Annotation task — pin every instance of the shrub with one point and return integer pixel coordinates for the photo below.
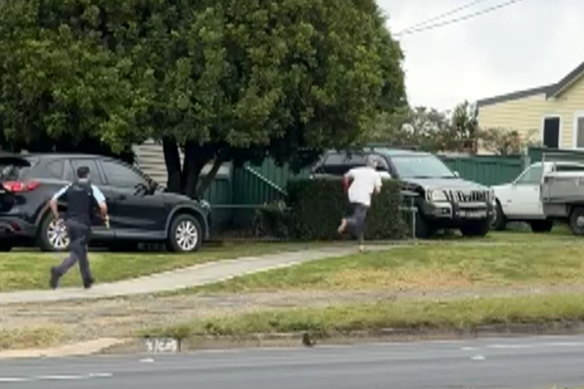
(272, 221)
(317, 206)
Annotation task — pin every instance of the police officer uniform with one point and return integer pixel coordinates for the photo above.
(82, 199)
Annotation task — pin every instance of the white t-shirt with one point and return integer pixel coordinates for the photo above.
(366, 180)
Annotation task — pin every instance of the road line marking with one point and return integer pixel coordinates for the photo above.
(61, 377)
(510, 346)
(478, 358)
(101, 375)
(13, 379)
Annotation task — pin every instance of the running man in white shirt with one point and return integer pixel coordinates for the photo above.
(362, 183)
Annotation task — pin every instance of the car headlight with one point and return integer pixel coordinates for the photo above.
(436, 196)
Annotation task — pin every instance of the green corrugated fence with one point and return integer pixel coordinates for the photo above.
(486, 170)
(235, 198)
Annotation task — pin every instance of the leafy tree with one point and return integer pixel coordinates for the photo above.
(464, 131)
(422, 128)
(225, 80)
(502, 141)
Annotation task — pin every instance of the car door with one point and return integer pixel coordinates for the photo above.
(522, 199)
(135, 213)
(99, 231)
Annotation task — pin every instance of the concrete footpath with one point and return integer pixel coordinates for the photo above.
(184, 278)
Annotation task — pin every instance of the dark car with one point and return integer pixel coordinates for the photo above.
(139, 210)
(442, 199)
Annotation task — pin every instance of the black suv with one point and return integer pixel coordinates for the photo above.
(442, 199)
(139, 210)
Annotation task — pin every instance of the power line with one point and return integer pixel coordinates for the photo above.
(442, 16)
(457, 20)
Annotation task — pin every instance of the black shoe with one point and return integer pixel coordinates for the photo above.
(54, 281)
(87, 284)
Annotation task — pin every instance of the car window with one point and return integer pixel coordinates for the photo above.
(120, 175)
(51, 169)
(9, 170)
(531, 176)
(382, 164)
(421, 166)
(570, 168)
(345, 159)
(93, 169)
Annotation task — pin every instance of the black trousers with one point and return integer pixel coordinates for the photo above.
(357, 220)
(79, 234)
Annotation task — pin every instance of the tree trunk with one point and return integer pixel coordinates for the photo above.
(172, 161)
(192, 167)
(210, 177)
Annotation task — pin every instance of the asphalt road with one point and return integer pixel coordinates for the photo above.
(542, 362)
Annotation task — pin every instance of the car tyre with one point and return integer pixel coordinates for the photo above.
(577, 221)
(423, 230)
(185, 234)
(477, 229)
(51, 237)
(500, 222)
(5, 247)
(542, 226)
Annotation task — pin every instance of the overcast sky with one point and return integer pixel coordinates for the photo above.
(525, 45)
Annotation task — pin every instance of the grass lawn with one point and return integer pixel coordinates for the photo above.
(511, 259)
(21, 270)
(30, 338)
(462, 314)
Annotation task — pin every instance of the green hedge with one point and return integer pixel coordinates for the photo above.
(317, 206)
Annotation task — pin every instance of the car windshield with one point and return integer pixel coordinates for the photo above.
(426, 166)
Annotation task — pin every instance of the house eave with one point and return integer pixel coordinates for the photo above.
(550, 91)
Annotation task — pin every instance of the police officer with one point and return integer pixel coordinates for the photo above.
(81, 198)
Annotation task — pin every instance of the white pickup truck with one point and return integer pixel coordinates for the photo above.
(521, 200)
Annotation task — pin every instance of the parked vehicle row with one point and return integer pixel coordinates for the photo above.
(441, 198)
(545, 192)
(139, 210)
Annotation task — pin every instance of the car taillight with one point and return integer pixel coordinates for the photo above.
(19, 186)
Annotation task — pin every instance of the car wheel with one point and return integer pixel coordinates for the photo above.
(52, 236)
(542, 226)
(5, 247)
(500, 222)
(185, 234)
(423, 229)
(476, 229)
(577, 221)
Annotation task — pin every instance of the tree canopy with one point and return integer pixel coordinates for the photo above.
(224, 80)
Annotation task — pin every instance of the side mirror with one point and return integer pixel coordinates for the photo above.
(457, 174)
(153, 187)
(142, 189)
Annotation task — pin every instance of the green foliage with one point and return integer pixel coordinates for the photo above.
(223, 79)
(501, 141)
(419, 127)
(317, 207)
(273, 221)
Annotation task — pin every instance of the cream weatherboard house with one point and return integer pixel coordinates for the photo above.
(552, 114)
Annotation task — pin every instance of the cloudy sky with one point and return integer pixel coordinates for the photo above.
(528, 44)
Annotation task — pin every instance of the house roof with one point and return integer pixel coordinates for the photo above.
(552, 90)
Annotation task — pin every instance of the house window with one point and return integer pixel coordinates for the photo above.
(551, 132)
(579, 129)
